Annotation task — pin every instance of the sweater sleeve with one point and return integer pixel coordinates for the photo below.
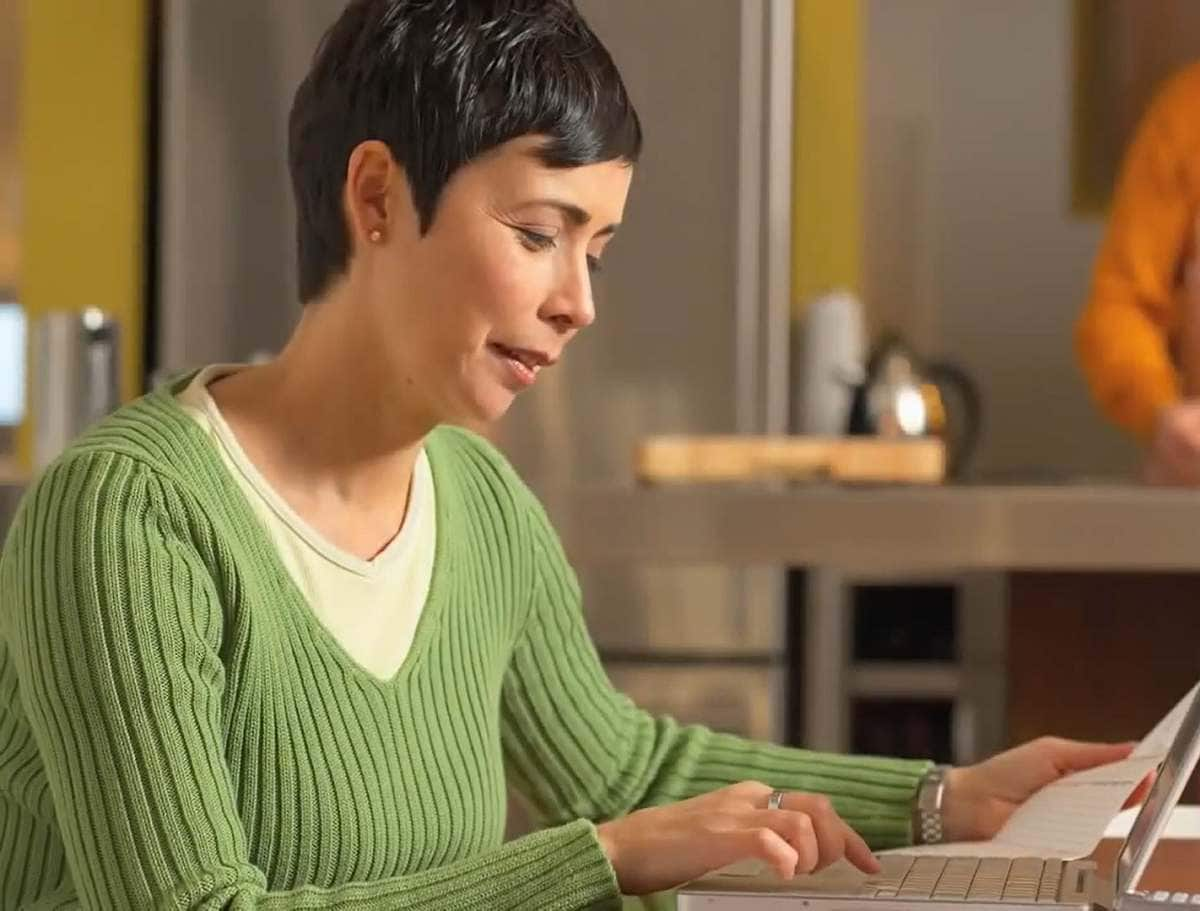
(577, 748)
(115, 628)
(1122, 337)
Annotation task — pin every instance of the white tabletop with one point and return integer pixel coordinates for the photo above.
(1184, 823)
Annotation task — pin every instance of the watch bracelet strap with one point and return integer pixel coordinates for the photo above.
(928, 827)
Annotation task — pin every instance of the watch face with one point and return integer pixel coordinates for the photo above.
(929, 794)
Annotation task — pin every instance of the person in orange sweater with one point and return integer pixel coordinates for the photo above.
(1138, 339)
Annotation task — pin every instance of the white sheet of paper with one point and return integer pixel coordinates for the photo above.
(1067, 819)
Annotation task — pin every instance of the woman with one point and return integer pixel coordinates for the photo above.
(274, 636)
(1138, 338)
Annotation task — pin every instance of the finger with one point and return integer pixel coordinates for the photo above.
(830, 837)
(859, 853)
(835, 838)
(797, 830)
(1075, 755)
(767, 845)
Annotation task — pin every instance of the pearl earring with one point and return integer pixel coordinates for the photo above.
(376, 236)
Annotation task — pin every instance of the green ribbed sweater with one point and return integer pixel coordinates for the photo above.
(177, 730)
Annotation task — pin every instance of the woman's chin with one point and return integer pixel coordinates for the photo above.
(485, 408)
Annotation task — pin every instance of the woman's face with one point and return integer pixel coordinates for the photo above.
(471, 313)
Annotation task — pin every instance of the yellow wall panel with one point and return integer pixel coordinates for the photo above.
(826, 179)
(82, 143)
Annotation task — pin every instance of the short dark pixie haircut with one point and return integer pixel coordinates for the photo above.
(441, 82)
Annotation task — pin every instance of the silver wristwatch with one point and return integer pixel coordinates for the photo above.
(927, 809)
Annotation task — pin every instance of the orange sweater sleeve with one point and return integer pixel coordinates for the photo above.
(1123, 336)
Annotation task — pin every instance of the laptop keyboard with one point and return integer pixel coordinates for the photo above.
(1024, 880)
(1161, 899)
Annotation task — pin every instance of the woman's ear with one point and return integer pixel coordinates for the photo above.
(371, 176)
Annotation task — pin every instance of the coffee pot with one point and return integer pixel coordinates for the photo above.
(901, 395)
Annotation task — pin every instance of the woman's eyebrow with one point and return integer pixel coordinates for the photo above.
(576, 215)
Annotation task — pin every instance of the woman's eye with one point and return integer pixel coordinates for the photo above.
(532, 240)
(537, 241)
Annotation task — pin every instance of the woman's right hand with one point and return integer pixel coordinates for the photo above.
(1173, 458)
(663, 847)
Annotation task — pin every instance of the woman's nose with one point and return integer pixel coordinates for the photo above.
(573, 307)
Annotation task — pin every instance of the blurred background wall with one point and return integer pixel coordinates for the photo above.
(935, 172)
(971, 243)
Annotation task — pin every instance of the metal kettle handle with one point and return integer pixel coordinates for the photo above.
(944, 374)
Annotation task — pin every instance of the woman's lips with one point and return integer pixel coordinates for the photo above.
(521, 366)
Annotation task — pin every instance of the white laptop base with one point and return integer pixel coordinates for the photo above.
(939, 882)
(907, 881)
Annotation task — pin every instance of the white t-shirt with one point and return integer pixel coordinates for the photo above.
(371, 607)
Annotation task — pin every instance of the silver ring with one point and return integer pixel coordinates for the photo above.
(775, 801)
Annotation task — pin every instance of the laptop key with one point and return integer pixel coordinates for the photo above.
(1051, 876)
(1024, 877)
(989, 879)
(895, 868)
(956, 878)
(922, 877)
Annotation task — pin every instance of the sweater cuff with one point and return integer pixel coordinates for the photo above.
(873, 794)
(564, 869)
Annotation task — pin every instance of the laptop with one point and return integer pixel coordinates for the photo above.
(937, 881)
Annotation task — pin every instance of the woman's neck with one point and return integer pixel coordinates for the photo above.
(326, 427)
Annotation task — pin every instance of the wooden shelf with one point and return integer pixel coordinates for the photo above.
(905, 679)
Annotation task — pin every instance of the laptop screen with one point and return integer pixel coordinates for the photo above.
(1173, 774)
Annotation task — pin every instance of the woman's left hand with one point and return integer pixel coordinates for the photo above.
(980, 798)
